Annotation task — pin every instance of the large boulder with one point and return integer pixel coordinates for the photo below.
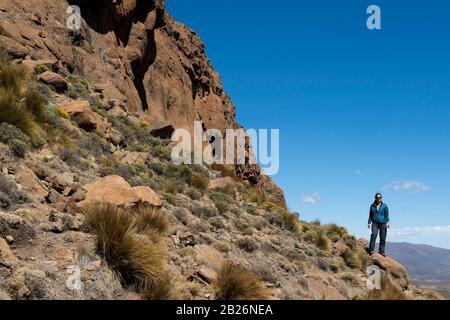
(111, 189)
(393, 268)
(54, 80)
(81, 112)
(220, 183)
(7, 258)
(148, 196)
(115, 190)
(30, 184)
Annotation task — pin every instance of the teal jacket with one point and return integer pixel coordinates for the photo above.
(380, 215)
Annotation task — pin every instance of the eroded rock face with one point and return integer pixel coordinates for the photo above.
(134, 54)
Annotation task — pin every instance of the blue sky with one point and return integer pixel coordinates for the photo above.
(358, 110)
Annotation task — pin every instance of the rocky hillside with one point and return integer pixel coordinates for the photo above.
(91, 206)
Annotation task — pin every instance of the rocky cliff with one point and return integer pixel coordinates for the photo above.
(91, 207)
(136, 56)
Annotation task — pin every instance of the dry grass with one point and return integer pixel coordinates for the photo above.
(322, 242)
(351, 258)
(140, 262)
(12, 76)
(150, 221)
(21, 109)
(35, 103)
(255, 196)
(235, 282)
(388, 292)
(290, 221)
(14, 112)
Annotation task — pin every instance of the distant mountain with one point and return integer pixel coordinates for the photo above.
(424, 263)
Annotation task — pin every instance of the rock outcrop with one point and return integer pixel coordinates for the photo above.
(136, 55)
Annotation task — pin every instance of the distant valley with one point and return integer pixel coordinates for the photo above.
(428, 266)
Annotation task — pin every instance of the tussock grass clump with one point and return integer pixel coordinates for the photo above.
(388, 291)
(35, 103)
(351, 258)
(150, 221)
(140, 262)
(13, 112)
(285, 220)
(334, 232)
(322, 242)
(12, 76)
(234, 282)
(21, 108)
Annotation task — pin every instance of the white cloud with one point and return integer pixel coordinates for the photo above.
(358, 172)
(413, 231)
(410, 186)
(311, 199)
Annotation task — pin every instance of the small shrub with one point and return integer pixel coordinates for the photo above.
(194, 193)
(62, 113)
(247, 244)
(311, 235)
(217, 222)
(9, 132)
(202, 211)
(269, 206)
(18, 147)
(199, 182)
(289, 221)
(334, 232)
(9, 192)
(235, 282)
(161, 152)
(222, 201)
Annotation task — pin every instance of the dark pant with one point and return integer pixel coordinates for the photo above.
(382, 227)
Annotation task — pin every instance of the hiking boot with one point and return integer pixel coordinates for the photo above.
(383, 254)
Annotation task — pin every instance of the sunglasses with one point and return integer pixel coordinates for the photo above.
(379, 198)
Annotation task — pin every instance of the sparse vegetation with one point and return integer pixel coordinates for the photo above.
(9, 192)
(247, 244)
(199, 182)
(136, 258)
(150, 221)
(235, 282)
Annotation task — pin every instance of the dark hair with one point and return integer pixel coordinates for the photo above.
(376, 195)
